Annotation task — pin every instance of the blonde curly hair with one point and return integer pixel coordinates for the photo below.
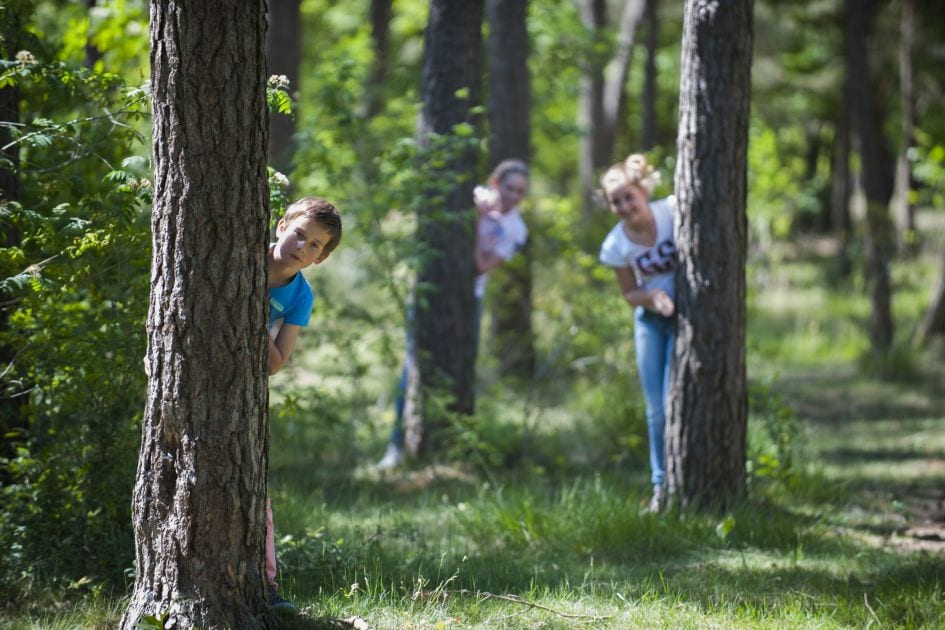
(635, 170)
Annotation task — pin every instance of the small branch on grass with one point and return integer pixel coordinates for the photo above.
(515, 599)
(870, 608)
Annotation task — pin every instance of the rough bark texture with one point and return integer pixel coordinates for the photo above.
(509, 97)
(444, 302)
(707, 416)
(198, 502)
(876, 174)
(283, 52)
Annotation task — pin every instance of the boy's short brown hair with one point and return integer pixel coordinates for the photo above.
(322, 212)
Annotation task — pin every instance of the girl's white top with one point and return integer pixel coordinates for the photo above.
(654, 266)
(501, 233)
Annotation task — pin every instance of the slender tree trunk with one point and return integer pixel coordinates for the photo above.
(708, 410)
(198, 502)
(509, 98)
(604, 96)
(648, 130)
(92, 53)
(933, 324)
(615, 82)
(840, 191)
(903, 209)
(443, 324)
(284, 54)
(877, 178)
(591, 104)
(381, 13)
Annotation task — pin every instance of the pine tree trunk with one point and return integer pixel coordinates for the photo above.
(509, 97)
(283, 54)
(198, 505)
(445, 307)
(840, 219)
(876, 176)
(707, 418)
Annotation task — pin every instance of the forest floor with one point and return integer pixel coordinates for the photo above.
(877, 425)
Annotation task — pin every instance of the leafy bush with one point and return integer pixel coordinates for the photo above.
(74, 280)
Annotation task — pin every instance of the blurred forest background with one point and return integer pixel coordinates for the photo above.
(827, 342)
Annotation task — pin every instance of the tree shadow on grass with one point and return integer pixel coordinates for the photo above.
(835, 395)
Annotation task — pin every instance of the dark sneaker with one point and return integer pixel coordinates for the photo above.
(275, 602)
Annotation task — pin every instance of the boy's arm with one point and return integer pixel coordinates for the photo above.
(281, 346)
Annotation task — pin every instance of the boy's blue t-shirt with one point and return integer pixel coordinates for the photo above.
(292, 302)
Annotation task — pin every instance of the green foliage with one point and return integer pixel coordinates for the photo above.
(74, 277)
(928, 164)
(774, 435)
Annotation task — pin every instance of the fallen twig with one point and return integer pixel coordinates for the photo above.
(515, 599)
(870, 608)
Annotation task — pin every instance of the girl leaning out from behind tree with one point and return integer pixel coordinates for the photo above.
(641, 249)
(500, 233)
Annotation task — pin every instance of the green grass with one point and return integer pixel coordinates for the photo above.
(544, 529)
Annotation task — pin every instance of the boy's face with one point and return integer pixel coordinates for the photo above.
(300, 243)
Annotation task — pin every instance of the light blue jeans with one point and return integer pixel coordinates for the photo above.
(653, 336)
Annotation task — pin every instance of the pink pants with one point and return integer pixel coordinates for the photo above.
(270, 548)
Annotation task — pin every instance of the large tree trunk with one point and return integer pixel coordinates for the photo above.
(876, 177)
(509, 97)
(903, 208)
(708, 410)
(199, 496)
(444, 356)
(283, 53)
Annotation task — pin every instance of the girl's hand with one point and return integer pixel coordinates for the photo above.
(486, 200)
(662, 303)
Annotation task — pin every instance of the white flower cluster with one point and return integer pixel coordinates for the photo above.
(25, 57)
(278, 179)
(279, 82)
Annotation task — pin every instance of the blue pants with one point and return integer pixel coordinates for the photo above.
(653, 336)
